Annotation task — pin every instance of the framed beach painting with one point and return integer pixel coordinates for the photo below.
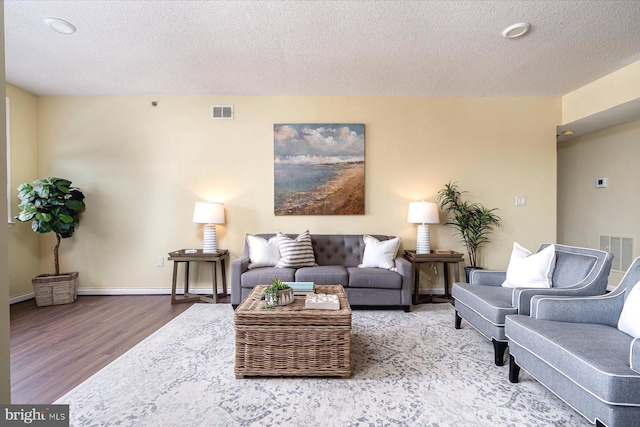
(318, 169)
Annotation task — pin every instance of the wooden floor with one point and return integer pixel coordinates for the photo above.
(53, 349)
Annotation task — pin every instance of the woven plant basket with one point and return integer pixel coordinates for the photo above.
(53, 290)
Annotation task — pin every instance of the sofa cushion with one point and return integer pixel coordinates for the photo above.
(295, 253)
(629, 321)
(264, 276)
(323, 275)
(594, 356)
(379, 254)
(527, 270)
(492, 303)
(263, 252)
(374, 278)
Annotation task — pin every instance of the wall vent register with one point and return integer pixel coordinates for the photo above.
(621, 248)
(222, 112)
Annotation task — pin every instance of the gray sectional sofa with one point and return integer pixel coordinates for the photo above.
(337, 257)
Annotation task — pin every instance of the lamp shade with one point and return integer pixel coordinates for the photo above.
(423, 213)
(208, 213)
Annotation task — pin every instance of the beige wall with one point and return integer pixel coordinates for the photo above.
(610, 91)
(142, 168)
(5, 367)
(24, 252)
(586, 212)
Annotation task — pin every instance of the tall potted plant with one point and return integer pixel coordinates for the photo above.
(52, 205)
(472, 221)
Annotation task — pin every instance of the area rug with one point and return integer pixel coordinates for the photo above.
(409, 369)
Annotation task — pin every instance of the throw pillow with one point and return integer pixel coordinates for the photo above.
(379, 254)
(528, 270)
(629, 321)
(295, 253)
(263, 252)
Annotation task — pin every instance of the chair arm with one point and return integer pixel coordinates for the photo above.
(238, 267)
(635, 355)
(599, 309)
(487, 277)
(522, 296)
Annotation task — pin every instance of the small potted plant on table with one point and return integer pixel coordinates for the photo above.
(278, 294)
(52, 205)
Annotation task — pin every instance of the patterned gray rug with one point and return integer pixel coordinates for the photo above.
(409, 369)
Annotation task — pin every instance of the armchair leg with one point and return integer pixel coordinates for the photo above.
(514, 369)
(458, 320)
(499, 347)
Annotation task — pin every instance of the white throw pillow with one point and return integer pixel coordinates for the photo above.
(528, 270)
(629, 321)
(379, 254)
(296, 253)
(263, 252)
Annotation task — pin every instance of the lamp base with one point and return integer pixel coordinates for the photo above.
(423, 245)
(210, 244)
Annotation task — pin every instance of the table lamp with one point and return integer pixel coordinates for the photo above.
(209, 214)
(423, 213)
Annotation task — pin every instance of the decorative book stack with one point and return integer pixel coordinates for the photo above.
(302, 288)
(322, 302)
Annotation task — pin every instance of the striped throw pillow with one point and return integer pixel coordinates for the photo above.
(295, 253)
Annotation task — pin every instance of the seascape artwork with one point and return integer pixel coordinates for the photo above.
(319, 169)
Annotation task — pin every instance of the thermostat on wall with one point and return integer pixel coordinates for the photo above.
(601, 182)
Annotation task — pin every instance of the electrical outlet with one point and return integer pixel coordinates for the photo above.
(521, 200)
(160, 261)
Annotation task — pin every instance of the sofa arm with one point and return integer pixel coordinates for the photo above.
(521, 298)
(487, 277)
(238, 267)
(404, 269)
(600, 309)
(635, 355)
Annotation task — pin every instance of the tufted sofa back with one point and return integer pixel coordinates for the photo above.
(334, 249)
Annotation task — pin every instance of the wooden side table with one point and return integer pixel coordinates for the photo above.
(446, 259)
(182, 257)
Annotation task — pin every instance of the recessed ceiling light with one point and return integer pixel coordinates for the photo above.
(516, 30)
(568, 132)
(60, 26)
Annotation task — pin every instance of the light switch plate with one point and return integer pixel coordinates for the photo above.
(601, 182)
(521, 200)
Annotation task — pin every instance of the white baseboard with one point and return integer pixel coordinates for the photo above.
(118, 291)
(22, 297)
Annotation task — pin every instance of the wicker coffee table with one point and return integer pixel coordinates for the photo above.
(292, 340)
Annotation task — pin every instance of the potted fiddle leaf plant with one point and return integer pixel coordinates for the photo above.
(472, 221)
(52, 205)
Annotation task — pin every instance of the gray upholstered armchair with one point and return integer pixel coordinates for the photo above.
(574, 348)
(484, 303)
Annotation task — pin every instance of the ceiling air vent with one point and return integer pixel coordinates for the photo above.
(222, 112)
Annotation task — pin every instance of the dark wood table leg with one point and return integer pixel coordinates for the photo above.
(174, 283)
(445, 270)
(224, 276)
(214, 279)
(415, 276)
(186, 278)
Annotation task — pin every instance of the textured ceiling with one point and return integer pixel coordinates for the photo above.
(356, 48)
